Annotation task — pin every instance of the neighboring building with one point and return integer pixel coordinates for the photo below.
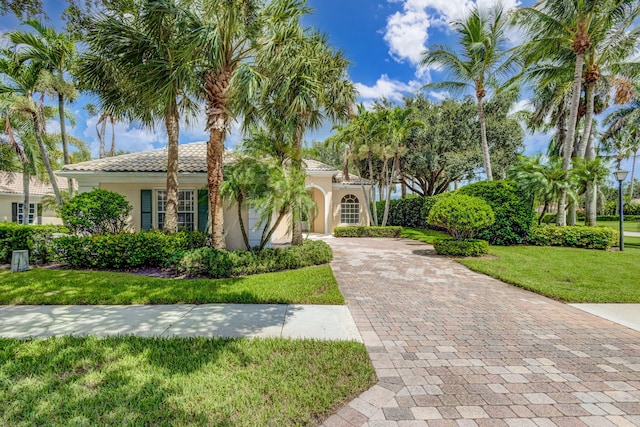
(141, 178)
(12, 207)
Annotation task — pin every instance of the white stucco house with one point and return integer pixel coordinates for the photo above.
(12, 207)
(140, 178)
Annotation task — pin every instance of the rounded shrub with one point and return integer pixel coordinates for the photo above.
(452, 247)
(96, 212)
(513, 211)
(462, 216)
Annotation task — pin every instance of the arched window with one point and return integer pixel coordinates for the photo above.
(350, 210)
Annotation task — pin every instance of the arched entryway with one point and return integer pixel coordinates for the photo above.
(319, 224)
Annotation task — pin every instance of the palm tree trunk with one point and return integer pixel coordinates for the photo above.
(101, 128)
(591, 205)
(296, 217)
(483, 135)
(112, 150)
(633, 173)
(26, 181)
(388, 199)
(571, 132)
(171, 209)
(38, 125)
(266, 239)
(215, 149)
(588, 120)
(243, 229)
(63, 136)
(373, 189)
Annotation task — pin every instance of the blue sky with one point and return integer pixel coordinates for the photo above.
(383, 40)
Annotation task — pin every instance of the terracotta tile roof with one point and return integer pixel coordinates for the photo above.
(11, 183)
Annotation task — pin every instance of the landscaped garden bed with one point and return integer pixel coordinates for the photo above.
(180, 381)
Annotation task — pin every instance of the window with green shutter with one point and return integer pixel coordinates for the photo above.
(203, 210)
(146, 214)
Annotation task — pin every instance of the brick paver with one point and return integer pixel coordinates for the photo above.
(455, 348)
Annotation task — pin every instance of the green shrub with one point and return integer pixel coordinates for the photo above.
(214, 263)
(96, 212)
(361, 231)
(411, 212)
(35, 238)
(124, 250)
(452, 247)
(513, 213)
(611, 208)
(462, 216)
(577, 237)
(617, 218)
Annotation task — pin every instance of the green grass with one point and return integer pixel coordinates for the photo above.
(425, 236)
(628, 225)
(181, 381)
(313, 285)
(567, 274)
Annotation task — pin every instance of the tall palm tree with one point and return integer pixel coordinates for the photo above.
(57, 53)
(144, 44)
(482, 61)
(624, 128)
(229, 37)
(22, 80)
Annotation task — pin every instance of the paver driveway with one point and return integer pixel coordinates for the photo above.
(455, 348)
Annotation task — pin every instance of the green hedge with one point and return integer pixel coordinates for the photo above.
(617, 218)
(216, 264)
(513, 213)
(124, 250)
(451, 247)
(411, 212)
(35, 238)
(361, 231)
(611, 207)
(576, 237)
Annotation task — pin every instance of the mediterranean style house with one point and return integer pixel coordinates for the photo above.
(140, 178)
(12, 207)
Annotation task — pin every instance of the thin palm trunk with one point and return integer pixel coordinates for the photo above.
(544, 211)
(561, 219)
(243, 229)
(101, 128)
(373, 189)
(38, 125)
(112, 151)
(266, 239)
(388, 200)
(483, 135)
(171, 208)
(63, 136)
(633, 173)
(296, 233)
(26, 181)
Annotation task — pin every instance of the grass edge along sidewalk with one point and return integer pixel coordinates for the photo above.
(311, 285)
(179, 381)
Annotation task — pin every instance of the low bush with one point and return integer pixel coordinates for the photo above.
(124, 250)
(462, 216)
(451, 247)
(214, 263)
(361, 231)
(35, 238)
(617, 218)
(410, 212)
(513, 213)
(611, 208)
(98, 211)
(576, 237)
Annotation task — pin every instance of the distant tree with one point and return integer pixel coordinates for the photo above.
(21, 8)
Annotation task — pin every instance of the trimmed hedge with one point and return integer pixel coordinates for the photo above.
(35, 238)
(213, 263)
(362, 231)
(411, 212)
(575, 237)
(513, 213)
(462, 216)
(124, 250)
(451, 247)
(617, 218)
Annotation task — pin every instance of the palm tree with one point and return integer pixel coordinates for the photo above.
(482, 61)
(144, 44)
(624, 123)
(22, 80)
(56, 52)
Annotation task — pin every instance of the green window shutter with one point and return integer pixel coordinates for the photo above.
(39, 213)
(203, 210)
(146, 212)
(14, 212)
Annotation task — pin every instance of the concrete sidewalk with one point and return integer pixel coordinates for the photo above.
(208, 320)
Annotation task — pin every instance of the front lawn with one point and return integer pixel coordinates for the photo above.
(425, 236)
(313, 285)
(180, 381)
(628, 225)
(566, 274)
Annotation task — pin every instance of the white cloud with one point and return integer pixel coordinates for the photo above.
(393, 90)
(407, 31)
(129, 138)
(439, 95)
(522, 105)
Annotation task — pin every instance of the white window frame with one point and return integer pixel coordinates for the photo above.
(186, 209)
(32, 213)
(350, 210)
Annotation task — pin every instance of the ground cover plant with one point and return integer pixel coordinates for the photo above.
(567, 274)
(180, 381)
(370, 231)
(313, 285)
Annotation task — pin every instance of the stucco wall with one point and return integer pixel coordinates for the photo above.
(338, 194)
(48, 217)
